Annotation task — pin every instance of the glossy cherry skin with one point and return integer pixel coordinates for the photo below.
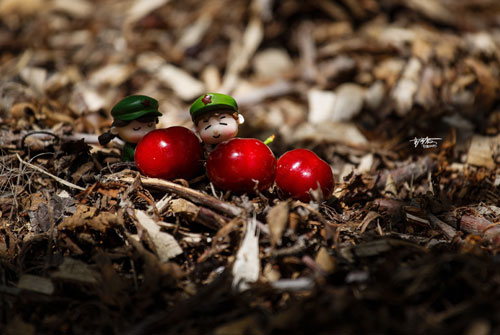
(171, 153)
(301, 170)
(241, 165)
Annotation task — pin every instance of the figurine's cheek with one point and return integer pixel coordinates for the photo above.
(205, 135)
(230, 131)
(135, 136)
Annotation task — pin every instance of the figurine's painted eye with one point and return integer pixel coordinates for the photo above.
(222, 117)
(223, 123)
(205, 121)
(208, 126)
(136, 129)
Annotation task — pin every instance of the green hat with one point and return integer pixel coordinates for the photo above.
(135, 106)
(211, 101)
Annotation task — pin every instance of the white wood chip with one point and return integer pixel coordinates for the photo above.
(299, 284)
(374, 95)
(321, 105)
(181, 82)
(164, 245)
(112, 74)
(246, 267)
(35, 77)
(272, 63)
(150, 61)
(193, 34)
(343, 132)
(481, 43)
(366, 163)
(141, 8)
(240, 53)
(92, 100)
(348, 102)
(404, 92)
(74, 8)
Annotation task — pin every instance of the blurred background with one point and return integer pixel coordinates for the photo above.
(349, 76)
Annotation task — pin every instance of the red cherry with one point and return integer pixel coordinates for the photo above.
(170, 153)
(241, 165)
(301, 170)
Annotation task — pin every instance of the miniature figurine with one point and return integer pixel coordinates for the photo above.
(216, 118)
(133, 117)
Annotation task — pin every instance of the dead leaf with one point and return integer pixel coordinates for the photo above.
(85, 216)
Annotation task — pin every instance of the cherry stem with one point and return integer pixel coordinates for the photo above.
(269, 140)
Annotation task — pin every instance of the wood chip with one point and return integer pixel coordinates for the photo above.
(26, 7)
(277, 219)
(246, 267)
(181, 82)
(448, 230)
(366, 221)
(35, 77)
(325, 260)
(348, 102)
(36, 284)
(299, 284)
(487, 91)
(374, 95)
(241, 51)
(321, 104)
(76, 8)
(73, 270)
(482, 150)
(272, 63)
(112, 74)
(141, 8)
(346, 133)
(404, 92)
(194, 33)
(480, 226)
(163, 244)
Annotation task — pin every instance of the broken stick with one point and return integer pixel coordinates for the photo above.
(193, 195)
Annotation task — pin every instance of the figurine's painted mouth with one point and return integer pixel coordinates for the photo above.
(216, 136)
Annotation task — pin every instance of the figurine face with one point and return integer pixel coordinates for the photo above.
(134, 131)
(216, 128)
